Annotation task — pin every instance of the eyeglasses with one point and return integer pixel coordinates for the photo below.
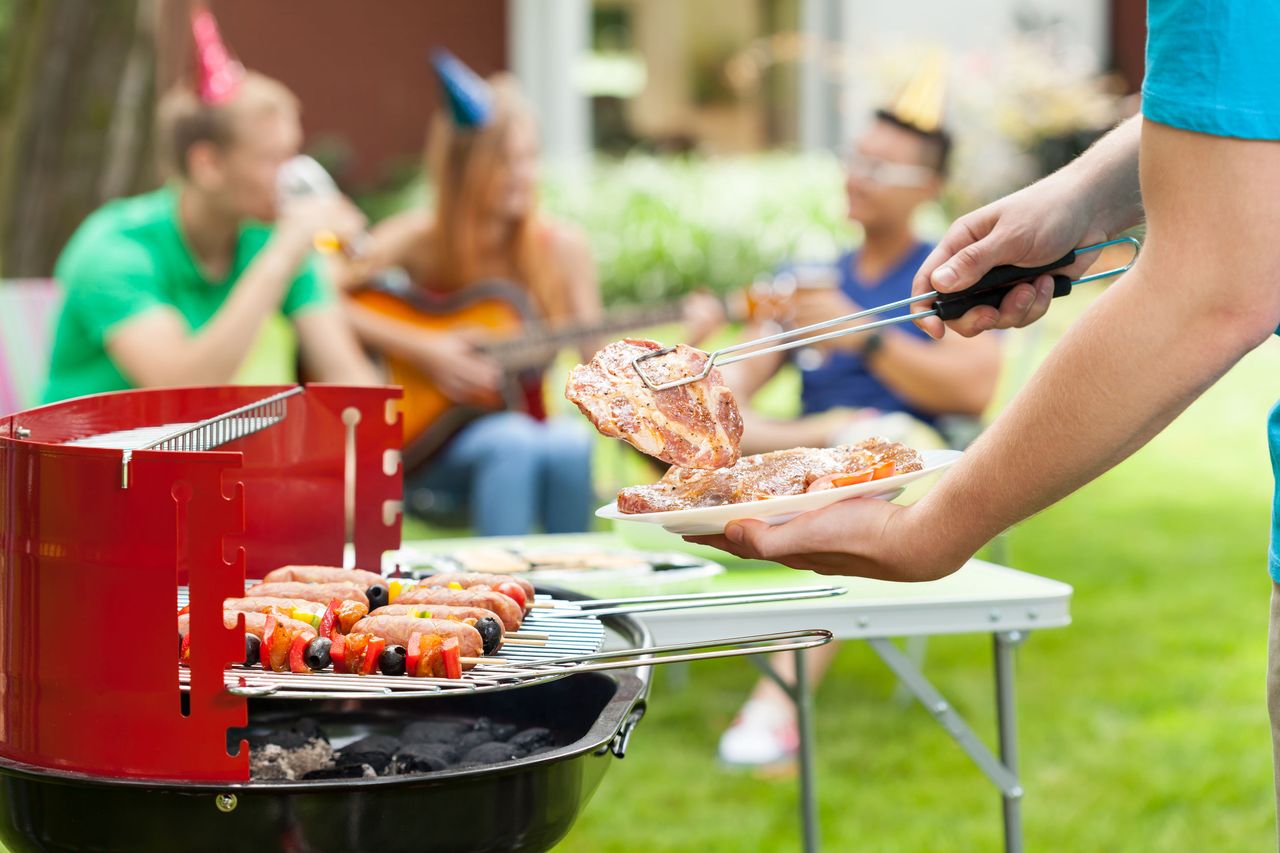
(888, 174)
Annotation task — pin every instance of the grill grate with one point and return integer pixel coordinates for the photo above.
(575, 637)
(565, 638)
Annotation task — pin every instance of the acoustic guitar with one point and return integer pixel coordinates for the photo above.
(516, 338)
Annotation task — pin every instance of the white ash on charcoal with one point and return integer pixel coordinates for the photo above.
(302, 751)
(289, 754)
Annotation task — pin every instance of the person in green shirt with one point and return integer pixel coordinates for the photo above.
(204, 281)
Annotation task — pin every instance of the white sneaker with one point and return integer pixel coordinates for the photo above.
(762, 734)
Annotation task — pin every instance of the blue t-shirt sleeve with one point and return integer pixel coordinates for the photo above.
(1213, 66)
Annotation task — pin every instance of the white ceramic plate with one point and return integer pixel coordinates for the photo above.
(617, 570)
(707, 520)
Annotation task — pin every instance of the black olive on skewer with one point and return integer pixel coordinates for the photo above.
(316, 655)
(490, 634)
(392, 660)
(252, 649)
(378, 596)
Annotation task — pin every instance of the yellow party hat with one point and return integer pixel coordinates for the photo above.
(922, 100)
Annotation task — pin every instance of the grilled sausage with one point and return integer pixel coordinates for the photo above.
(398, 629)
(439, 611)
(508, 611)
(374, 585)
(466, 580)
(324, 574)
(348, 612)
(485, 621)
(255, 624)
(321, 593)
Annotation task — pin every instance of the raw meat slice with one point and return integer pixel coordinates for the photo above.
(693, 426)
(764, 475)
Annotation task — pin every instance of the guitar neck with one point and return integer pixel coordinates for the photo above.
(529, 351)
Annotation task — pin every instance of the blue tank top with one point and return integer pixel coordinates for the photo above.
(1213, 67)
(842, 379)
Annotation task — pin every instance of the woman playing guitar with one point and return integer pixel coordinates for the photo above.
(483, 249)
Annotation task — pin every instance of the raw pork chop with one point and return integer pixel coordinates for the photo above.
(765, 475)
(694, 426)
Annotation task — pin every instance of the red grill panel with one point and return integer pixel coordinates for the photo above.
(89, 570)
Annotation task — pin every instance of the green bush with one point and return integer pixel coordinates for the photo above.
(661, 227)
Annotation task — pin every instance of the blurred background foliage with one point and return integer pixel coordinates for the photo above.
(663, 226)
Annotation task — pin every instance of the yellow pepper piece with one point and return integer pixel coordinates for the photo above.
(309, 616)
(454, 585)
(395, 589)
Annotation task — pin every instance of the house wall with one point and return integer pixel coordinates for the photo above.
(361, 70)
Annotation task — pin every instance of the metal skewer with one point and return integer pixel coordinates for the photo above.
(792, 591)
(989, 290)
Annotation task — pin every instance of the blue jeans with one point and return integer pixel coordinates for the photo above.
(513, 472)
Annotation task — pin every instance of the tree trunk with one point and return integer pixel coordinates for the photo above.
(76, 100)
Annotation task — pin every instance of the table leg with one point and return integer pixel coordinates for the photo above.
(996, 769)
(808, 779)
(1007, 723)
(798, 692)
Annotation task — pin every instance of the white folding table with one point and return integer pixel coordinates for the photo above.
(980, 598)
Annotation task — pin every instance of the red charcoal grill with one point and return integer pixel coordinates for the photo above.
(100, 747)
(95, 541)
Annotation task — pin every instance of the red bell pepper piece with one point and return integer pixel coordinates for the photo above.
(413, 654)
(297, 649)
(186, 608)
(268, 633)
(371, 655)
(862, 476)
(884, 469)
(338, 653)
(329, 619)
(513, 591)
(430, 666)
(449, 651)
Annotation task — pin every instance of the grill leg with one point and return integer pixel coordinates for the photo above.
(1007, 722)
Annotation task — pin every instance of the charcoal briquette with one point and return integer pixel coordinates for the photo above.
(493, 752)
(434, 731)
(423, 758)
(534, 738)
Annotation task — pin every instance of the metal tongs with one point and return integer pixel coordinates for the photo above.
(989, 290)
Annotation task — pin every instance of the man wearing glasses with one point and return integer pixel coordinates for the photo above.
(896, 383)
(885, 382)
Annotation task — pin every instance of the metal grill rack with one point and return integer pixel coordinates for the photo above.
(200, 436)
(575, 637)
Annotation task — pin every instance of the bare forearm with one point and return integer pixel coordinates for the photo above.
(949, 376)
(1133, 362)
(329, 348)
(212, 354)
(763, 435)
(384, 334)
(1108, 174)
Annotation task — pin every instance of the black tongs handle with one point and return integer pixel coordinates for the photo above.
(992, 288)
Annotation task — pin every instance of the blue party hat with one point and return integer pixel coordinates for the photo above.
(470, 98)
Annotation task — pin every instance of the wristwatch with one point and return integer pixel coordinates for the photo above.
(874, 342)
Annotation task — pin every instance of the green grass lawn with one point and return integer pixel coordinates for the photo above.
(1143, 725)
